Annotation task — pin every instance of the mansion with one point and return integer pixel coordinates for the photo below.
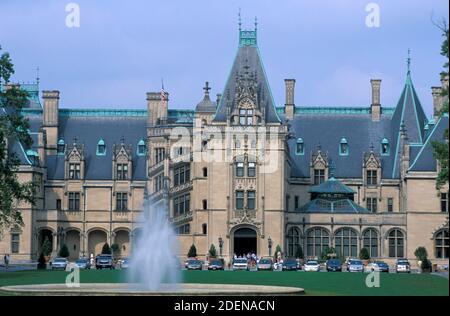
(237, 171)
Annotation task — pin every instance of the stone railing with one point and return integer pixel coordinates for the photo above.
(181, 187)
(186, 217)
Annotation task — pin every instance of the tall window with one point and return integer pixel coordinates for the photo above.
(239, 169)
(159, 154)
(293, 241)
(385, 149)
(296, 202)
(101, 148)
(122, 171)
(205, 172)
(346, 241)
(181, 175)
(61, 147)
(372, 177)
(300, 147)
(204, 228)
(239, 200)
(343, 147)
(251, 200)
(370, 242)
(15, 243)
(74, 171)
(251, 169)
(181, 204)
(444, 202)
(159, 182)
(390, 204)
(441, 244)
(317, 239)
(121, 201)
(246, 117)
(319, 176)
(184, 229)
(141, 148)
(396, 244)
(205, 204)
(58, 204)
(372, 204)
(74, 201)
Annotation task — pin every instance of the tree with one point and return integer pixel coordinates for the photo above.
(115, 249)
(41, 262)
(13, 127)
(212, 251)
(106, 250)
(364, 254)
(440, 149)
(299, 253)
(328, 252)
(46, 247)
(192, 252)
(422, 255)
(64, 251)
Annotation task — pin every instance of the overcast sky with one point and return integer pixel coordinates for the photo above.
(122, 50)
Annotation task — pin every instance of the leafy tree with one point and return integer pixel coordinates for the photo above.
(46, 247)
(13, 127)
(364, 254)
(440, 149)
(212, 251)
(422, 255)
(64, 251)
(277, 250)
(299, 253)
(106, 250)
(327, 253)
(192, 252)
(115, 248)
(41, 262)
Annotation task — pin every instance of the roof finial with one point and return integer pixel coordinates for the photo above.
(239, 19)
(371, 147)
(206, 88)
(37, 75)
(256, 23)
(162, 83)
(408, 61)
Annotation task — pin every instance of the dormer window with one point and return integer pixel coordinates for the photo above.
(300, 147)
(385, 148)
(101, 148)
(343, 147)
(141, 148)
(61, 147)
(246, 117)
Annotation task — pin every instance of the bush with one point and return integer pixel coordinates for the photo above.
(41, 262)
(364, 254)
(212, 251)
(426, 265)
(115, 248)
(46, 247)
(106, 250)
(421, 253)
(327, 253)
(299, 253)
(64, 251)
(192, 252)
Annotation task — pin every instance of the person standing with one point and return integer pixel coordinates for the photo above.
(6, 260)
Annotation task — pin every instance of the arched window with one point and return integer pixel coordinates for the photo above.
(205, 204)
(343, 147)
(385, 148)
(293, 241)
(346, 241)
(370, 242)
(61, 147)
(101, 148)
(141, 148)
(316, 241)
(441, 244)
(396, 244)
(300, 147)
(246, 117)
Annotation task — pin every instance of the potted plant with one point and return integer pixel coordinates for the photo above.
(364, 256)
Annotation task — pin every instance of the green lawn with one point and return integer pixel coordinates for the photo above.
(313, 283)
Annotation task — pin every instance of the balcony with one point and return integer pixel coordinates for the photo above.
(181, 187)
(183, 218)
(248, 183)
(157, 167)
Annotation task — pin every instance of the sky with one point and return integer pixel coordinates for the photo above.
(122, 49)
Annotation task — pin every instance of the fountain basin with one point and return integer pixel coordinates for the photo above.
(127, 289)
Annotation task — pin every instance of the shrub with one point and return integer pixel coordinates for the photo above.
(212, 251)
(192, 252)
(327, 253)
(46, 247)
(426, 265)
(421, 253)
(41, 262)
(106, 250)
(364, 254)
(64, 251)
(115, 248)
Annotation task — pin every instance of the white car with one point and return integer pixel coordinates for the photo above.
(312, 265)
(402, 265)
(59, 263)
(355, 265)
(240, 264)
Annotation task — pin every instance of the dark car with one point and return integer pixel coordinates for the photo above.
(193, 264)
(334, 265)
(83, 263)
(290, 264)
(379, 266)
(215, 265)
(104, 261)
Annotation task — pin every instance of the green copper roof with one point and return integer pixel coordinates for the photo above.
(332, 186)
(334, 110)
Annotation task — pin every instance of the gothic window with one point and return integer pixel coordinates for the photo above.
(444, 202)
(293, 241)
(239, 200)
(141, 148)
(246, 117)
(121, 201)
(74, 201)
(239, 169)
(372, 177)
(58, 204)
(122, 171)
(343, 147)
(370, 242)
(319, 176)
(61, 147)
(385, 148)
(346, 242)
(372, 204)
(390, 204)
(181, 204)
(158, 182)
(251, 200)
(300, 147)
(251, 169)
(74, 171)
(159, 154)
(181, 175)
(441, 244)
(15, 242)
(317, 239)
(101, 147)
(396, 244)
(184, 229)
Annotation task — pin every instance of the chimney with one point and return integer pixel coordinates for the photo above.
(375, 107)
(290, 105)
(157, 104)
(436, 92)
(50, 119)
(41, 146)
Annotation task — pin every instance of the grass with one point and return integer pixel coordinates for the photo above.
(313, 283)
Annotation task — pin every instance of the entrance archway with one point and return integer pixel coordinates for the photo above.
(97, 238)
(73, 244)
(122, 239)
(244, 241)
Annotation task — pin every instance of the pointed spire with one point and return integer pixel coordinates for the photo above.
(37, 75)
(239, 20)
(408, 61)
(256, 23)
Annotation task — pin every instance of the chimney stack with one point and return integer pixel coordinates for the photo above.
(375, 107)
(290, 105)
(157, 104)
(436, 92)
(50, 119)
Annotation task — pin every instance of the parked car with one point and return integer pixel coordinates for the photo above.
(334, 265)
(240, 264)
(402, 265)
(59, 263)
(290, 264)
(355, 265)
(125, 263)
(215, 265)
(379, 266)
(264, 264)
(104, 261)
(193, 264)
(312, 265)
(83, 263)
